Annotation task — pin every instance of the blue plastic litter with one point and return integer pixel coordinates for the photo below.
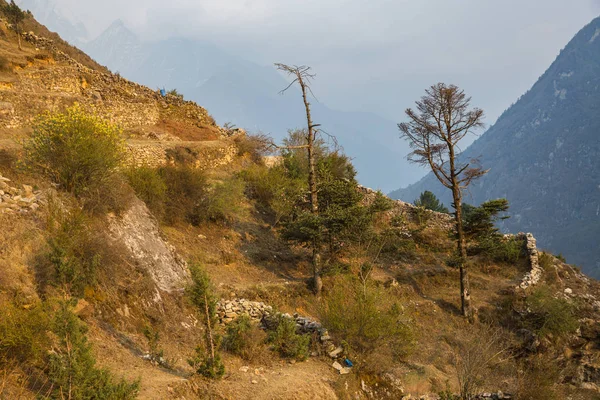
(348, 363)
(163, 92)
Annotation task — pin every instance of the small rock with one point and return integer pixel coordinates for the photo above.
(336, 352)
(568, 291)
(254, 381)
(244, 368)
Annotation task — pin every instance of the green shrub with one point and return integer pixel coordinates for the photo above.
(363, 315)
(72, 368)
(72, 252)
(545, 261)
(244, 339)
(182, 194)
(149, 186)
(501, 250)
(208, 367)
(550, 314)
(274, 189)
(156, 353)
(286, 341)
(175, 92)
(223, 202)
(561, 257)
(77, 150)
(23, 335)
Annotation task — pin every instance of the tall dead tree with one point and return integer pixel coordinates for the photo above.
(302, 75)
(434, 131)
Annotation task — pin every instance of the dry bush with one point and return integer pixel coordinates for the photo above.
(476, 354)
(112, 195)
(255, 146)
(20, 241)
(4, 64)
(8, 160)
(186, 188)
(537, 379)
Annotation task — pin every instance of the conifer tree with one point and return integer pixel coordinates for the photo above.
(201, 294)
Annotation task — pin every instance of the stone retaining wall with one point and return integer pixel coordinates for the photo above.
(160, 154)
(412, 213)
(534, 274)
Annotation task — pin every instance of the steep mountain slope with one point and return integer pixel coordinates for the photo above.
(544, 156)
(247, 94)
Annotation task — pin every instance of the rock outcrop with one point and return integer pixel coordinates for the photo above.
(138, 230)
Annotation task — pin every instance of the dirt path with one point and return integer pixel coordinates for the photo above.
(311, 379)
(308, 380)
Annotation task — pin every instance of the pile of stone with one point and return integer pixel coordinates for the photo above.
(14, 200)
(228, 310)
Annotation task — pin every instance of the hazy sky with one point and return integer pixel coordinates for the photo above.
(373, 55)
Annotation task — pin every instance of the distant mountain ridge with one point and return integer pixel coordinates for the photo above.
(544, 157)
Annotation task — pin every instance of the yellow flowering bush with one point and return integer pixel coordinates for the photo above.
(75, 149)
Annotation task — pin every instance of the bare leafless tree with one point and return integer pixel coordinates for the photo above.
(442, 119)
(303, 76)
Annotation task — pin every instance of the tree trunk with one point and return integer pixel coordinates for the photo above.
(312, 184)
(465, 289)
(211, 343)
(19, 39)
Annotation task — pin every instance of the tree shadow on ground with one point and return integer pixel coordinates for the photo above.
(262, 247)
